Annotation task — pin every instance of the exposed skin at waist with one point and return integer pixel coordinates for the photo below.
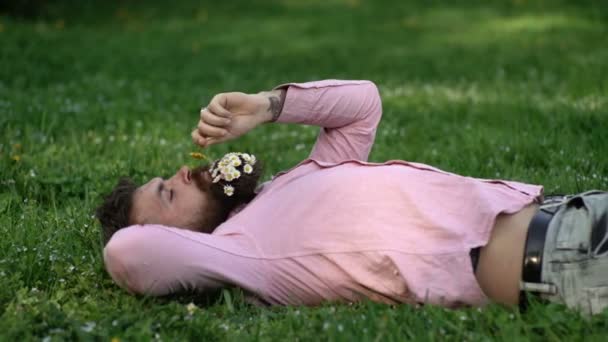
(500, 261)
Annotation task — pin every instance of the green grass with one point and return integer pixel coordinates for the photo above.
(515, 90)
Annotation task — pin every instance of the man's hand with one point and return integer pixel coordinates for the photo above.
(230, 115)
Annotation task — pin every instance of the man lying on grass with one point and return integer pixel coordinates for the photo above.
(338, 228)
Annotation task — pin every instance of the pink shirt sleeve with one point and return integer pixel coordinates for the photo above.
(157, 260)
(348, 113)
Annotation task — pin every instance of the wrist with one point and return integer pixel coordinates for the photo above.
(273, 104)
(261, 100)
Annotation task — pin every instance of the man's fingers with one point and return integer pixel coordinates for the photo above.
(210, 118)
(201, 141)
(198, 139)
(209, 131)
(217, 106)
(213, 141)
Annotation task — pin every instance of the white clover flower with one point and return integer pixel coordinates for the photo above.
(247, 169)
(228, 190)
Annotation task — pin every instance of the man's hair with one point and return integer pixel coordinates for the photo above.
(115, 211)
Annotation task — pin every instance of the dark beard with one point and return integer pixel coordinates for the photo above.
(197, 174)
(216, 210)
(219, 205)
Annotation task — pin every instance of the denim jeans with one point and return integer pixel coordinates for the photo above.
(575, 256)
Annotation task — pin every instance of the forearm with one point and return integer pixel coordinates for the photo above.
(331, 104)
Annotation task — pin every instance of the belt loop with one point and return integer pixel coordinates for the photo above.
(535, 287)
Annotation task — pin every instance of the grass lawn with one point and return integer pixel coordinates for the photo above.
(515, 90)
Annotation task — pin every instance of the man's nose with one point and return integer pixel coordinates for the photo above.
(184, 174)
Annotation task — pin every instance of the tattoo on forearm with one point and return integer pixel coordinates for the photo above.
(276, 105)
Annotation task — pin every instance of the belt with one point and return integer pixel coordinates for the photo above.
(533, 252)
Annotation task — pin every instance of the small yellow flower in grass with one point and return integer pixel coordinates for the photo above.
(115, 339)
(247, 169)
(16, 157)
(191, 308)
(197, 155)
(228, 190)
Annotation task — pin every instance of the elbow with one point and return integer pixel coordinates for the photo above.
(121, 263)
(375, 104)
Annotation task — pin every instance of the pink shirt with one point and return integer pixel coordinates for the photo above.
(334, 227)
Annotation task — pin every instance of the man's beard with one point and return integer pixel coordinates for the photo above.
(215, 211)
(198, 175)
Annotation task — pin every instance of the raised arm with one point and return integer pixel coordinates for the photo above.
(348, 113)
(156, 260)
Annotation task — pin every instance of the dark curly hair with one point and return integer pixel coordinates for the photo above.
(115, 211)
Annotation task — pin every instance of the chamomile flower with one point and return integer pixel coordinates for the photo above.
(247, 169)
(228, 177)
(228, 190)
(224, 170)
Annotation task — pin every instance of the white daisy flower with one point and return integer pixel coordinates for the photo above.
(236, 162)
(247, 169)
(225, 170)
(253, 160)
(236, 174)
(228, 190)
(246, 157)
